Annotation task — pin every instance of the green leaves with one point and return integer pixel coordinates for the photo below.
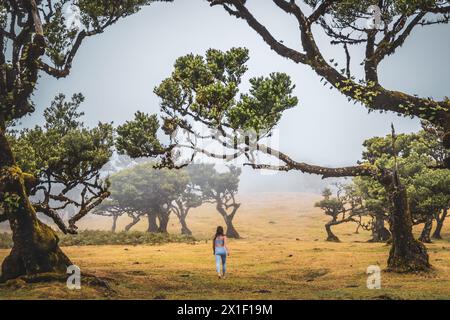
(206, 89)
(85, 150)
(263, 107)
(348, 12)
(138, 138)
(97, 14)
(59, 37)
(64, 116)
(191, 72)
(331, 206)
(428, 189)
(213, 183)
(10, 201)
(228, 66)
(214, 100)
(143, 187)
(63, 146)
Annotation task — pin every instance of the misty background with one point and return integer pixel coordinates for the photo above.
(117, 71)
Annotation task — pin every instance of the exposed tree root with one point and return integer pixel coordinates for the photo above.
(88, 279)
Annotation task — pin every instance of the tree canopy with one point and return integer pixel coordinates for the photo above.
(66, 159)
(39, 37)
(219, 188)
(146, 188)
(413, 155)
(379, 28)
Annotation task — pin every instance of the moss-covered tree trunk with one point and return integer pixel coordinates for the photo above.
(425, 236)
(35, 248)
(439, 224)
(407, 254)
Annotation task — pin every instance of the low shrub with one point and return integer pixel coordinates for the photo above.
(97, 237)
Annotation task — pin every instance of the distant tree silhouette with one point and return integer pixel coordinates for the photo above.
(219, 188)
(145, 190)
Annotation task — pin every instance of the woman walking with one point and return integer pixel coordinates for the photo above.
(221, 251)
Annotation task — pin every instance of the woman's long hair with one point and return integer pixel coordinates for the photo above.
(219, 232)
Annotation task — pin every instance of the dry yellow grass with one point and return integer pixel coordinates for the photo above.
(283, 256)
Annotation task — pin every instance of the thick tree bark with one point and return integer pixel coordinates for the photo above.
(152, 225)
(6, 155)
(228, 218)
(231, 230)
(35, 248)
(406, 254)
(379, 231)
(425, 236)
(439, 224)
(437, 232)
(181, 211)
(184, 228)
(330, 235)
(163, 218)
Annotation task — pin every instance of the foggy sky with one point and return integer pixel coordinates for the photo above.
(117, 71)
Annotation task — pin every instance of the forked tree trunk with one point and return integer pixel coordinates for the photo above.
(35, 248)
(406, 254)
(184, 228)
(379, 231)
(181, 211)
(333, 222)
(163, 218)
(439, 224)
(425, 236)
(231, 230)
(330, 235)
(228, 218)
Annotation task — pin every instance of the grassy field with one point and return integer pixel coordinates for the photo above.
(283, 256)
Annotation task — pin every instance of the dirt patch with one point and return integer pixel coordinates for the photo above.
(136, 273)
(309, 274)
